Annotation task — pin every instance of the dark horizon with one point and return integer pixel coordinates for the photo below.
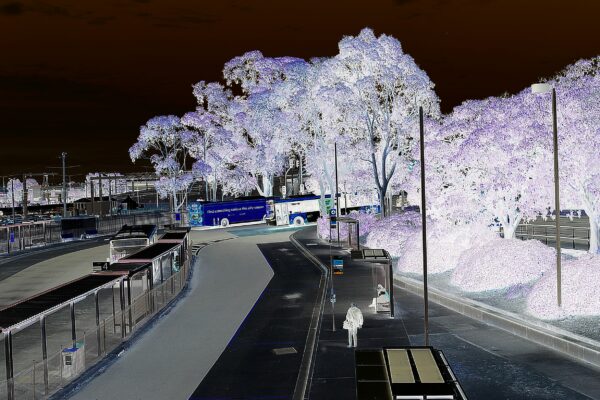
(82, 78)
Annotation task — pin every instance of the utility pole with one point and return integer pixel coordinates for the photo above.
(64, 184)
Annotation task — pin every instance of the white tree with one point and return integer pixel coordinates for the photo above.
(385, 90)
(578, 106)
(262, 132)
(167, 143)
(507, 164)
(14, 188)
(214, 148)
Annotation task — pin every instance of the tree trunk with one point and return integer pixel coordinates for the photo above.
(594, 234)
(588, 207)
(322, 206)
(510, 227)
(382, 203)
(594, 230)
(267, 186)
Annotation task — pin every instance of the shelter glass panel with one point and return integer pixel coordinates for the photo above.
(58, 329)
(85, 315)
(26, 347)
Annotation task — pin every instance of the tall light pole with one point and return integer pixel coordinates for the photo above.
(12, 184)
(424, 224)
(64, 183)
(337, 191)
(545, 88)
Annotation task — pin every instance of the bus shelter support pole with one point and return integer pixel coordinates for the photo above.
(391, 290)
(10, 387)
(122, 302)
(99, 341)
(73, 332)
(44, 352)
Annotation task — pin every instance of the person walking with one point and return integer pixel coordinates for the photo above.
(353, 322)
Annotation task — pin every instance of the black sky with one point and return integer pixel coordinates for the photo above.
(82, 76)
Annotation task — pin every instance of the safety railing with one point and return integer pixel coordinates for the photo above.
(14, 238)
(40, 379)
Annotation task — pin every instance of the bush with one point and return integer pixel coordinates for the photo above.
(502, 263)
(445, 244)
(580, 290)
(392, 233)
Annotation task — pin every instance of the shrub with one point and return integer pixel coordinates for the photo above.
(502, 263)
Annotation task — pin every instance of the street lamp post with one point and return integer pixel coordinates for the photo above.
(545, 88)
(12, 184)
(424, 223)
(337, 191)
(64, 184)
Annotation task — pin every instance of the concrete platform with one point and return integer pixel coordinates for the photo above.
(489, 362)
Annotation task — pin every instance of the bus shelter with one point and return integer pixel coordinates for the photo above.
(412, 372)
(382, 276)
(35, 328)
(350, 227)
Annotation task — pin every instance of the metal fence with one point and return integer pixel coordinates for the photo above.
(14, 238)
(101, 326)
(574, 234)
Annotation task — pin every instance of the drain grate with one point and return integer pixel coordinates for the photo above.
(284, 350)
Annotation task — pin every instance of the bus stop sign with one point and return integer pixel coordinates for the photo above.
(332, 218)
(337, 265)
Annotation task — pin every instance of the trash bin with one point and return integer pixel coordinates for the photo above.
(73, 360)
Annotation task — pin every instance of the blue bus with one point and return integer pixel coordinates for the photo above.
(224, 213)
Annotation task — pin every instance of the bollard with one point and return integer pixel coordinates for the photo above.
(104, 336)
(84, 350)
(33, 379)
(61, 366)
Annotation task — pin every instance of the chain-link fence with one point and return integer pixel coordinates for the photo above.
(94, 338)
(14, 238)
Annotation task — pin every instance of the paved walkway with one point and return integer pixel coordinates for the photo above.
(30, 274)
(172, 358)
(489, 363)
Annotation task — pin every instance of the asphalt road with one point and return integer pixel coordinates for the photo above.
(250, 367)
(174, 356)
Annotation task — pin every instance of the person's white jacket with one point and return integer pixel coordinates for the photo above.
(354, 318)
(354, 321)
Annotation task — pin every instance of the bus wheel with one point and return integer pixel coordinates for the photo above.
(224, 222)
(298, 220)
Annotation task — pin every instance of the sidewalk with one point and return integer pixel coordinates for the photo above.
(489, 363)
(29, 274)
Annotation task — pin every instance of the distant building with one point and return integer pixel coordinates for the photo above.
(100, 206)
